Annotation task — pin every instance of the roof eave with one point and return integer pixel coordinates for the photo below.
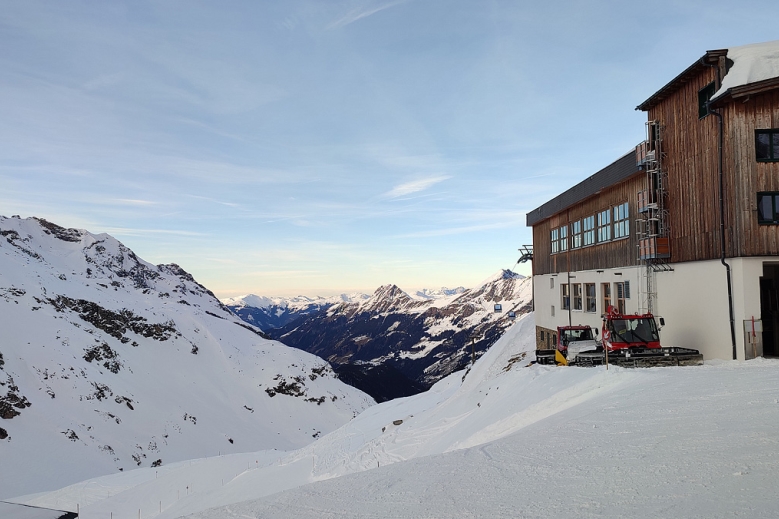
(711, 57)
(742, 91)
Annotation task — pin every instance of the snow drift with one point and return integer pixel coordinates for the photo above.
(505, 439)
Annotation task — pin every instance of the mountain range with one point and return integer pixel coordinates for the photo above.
(108, 363)
(392, 344)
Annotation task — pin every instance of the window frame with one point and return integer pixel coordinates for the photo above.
(577, 297)
(604, 229)
(588, 233)
(621, 225)
(590, 300)
(704, 95)
(773, 144)
(563, 238)
(774, 197)
(606, 295)
(555, 240)
(625, 292)
(576, 234)
(565, 296)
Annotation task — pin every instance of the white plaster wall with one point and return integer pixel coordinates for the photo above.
(694, 301)
(545, 296)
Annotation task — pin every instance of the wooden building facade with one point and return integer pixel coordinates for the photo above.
(700, 233)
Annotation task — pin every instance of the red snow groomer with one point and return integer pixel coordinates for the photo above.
(627, 340)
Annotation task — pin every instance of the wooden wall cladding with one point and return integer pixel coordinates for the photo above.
(690, 148)
(690, 159)
(745, 177)
(612, 254)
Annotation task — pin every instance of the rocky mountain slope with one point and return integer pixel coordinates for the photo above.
(417, 339)
(108, 363)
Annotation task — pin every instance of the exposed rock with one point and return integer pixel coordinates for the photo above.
(104, 352)
(115, 324)
(71, 235)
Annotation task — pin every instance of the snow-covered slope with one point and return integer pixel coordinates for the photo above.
(502, 440)
(108, 362)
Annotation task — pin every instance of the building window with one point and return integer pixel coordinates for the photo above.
(563, 238)
(704, 94)
(623, 292)
(621, 226)
(606, 290)
(589, 230)
(551, 282)
(767, 145)
(565, 297)
(589, 298)
(768, 208)
(555, 242)
(576, 234)
(604, 226)
(552, 310)
(577, 296)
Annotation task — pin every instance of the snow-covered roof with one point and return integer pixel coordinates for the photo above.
(751, 64)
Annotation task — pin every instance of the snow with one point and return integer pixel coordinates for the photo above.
(437, 293)
(15, 511)
(506, 439)
(293, 303)
(751, 64)
(161, 401)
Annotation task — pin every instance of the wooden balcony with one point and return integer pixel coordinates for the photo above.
(644, 153)
(653, 248)
(645, 201)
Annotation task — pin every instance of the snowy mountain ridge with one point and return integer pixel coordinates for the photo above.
(298, 302)
(422, 340)
(275, 312)
(108, 362)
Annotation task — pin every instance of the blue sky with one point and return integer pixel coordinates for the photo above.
(315, 147)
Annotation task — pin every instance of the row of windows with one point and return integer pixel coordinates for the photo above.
(613, 223)
(584, 297)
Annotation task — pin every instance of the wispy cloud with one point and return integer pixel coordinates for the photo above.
(362, 12)
(414, 186)
(129, 201)
(124, 231)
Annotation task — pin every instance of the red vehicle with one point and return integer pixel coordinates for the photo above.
(627, 340)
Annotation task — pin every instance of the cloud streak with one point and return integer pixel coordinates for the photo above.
(414, 186)
(362, 12)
